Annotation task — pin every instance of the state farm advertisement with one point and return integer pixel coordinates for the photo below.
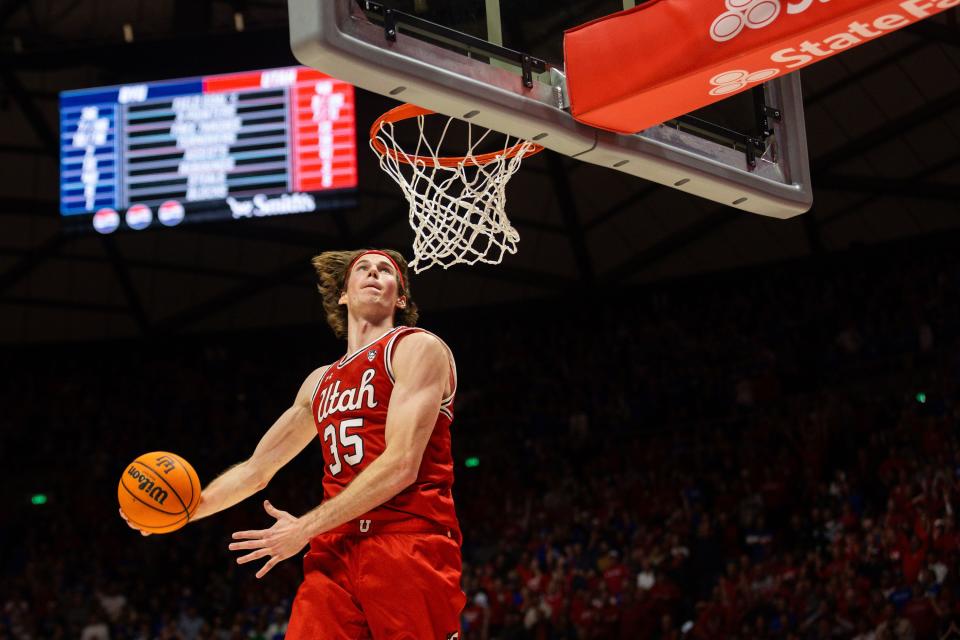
(637, 68)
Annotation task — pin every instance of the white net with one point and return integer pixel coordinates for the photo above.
(457, 206)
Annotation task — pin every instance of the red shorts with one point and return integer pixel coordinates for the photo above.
(380, 586)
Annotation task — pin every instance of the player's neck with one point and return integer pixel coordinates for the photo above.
(362, 332)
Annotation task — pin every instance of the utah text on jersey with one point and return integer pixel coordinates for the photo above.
(332, 400)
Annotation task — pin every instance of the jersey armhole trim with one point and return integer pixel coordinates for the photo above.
(388, 361)
(313, 397)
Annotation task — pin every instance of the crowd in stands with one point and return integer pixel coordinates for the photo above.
(759, 455)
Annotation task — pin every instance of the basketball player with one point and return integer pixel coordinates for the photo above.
(384, 558)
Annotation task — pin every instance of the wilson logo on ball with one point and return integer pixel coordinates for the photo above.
(147, 486)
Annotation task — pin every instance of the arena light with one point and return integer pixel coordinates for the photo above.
(38, 499)
(472, 462)
(922, 398)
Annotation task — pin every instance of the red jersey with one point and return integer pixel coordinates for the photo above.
(350, 407)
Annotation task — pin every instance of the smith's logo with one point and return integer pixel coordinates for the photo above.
(146, 485)
(262, 205)
(453, 636)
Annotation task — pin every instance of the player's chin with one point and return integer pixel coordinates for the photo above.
(372, 292)
(376, 297)
(375, 303)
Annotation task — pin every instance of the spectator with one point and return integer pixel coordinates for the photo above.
(750, 466)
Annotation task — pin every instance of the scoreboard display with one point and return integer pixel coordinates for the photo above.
(243, 145)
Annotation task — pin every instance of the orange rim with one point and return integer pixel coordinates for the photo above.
(408, 111)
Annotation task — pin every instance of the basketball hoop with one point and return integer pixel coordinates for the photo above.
(456, 202)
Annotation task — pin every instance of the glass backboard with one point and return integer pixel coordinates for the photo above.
(500, 64)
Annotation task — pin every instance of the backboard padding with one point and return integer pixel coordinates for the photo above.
(340, 39)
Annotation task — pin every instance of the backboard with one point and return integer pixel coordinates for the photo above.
(499, 64)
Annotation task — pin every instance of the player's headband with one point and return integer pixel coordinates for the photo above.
(403, 285)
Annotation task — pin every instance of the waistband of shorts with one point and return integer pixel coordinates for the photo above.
(366, 527)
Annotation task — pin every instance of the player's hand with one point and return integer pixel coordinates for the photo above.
(279, 542)
(127, 520)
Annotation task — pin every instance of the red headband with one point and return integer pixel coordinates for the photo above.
(380, 253)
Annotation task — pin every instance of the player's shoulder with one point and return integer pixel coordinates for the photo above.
(421, 351)
(414, 339)
(317, 373)
(415, 346)
(312, 382)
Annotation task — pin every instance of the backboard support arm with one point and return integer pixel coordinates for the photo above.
(392, 19)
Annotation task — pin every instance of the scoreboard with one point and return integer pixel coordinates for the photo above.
(243, 145)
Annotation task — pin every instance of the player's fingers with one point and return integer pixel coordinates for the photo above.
(126, 519)
(250, 557)
(273, 511)
(247, 535)
(263, 571)
(131, 525)
(251, 544)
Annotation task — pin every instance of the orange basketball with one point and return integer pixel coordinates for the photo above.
(158, 492)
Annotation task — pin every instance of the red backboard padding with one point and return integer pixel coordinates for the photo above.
(637, 68)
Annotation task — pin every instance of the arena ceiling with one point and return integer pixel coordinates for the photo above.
(883, 124)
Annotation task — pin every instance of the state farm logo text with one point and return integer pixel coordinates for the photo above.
(865, 26)
(737, 79)
(753, 14)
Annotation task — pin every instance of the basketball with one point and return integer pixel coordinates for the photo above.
(158, 492)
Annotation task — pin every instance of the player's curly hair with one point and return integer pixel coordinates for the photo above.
(331, 268)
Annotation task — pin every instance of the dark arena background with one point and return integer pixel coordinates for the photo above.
(674, 420)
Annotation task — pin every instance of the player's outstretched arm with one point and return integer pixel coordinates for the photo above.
(422, 367)
(288, 436)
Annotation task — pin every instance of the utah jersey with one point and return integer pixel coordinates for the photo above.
(350, 407)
